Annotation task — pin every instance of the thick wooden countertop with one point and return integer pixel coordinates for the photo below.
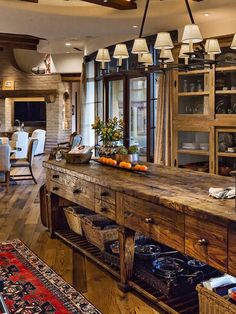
(178, 189)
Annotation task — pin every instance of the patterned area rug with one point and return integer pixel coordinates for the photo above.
(32, 287)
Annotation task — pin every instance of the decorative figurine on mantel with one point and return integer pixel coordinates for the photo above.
(109, 133)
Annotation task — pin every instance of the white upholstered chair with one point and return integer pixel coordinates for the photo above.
(20, 139)
(40, 135)
(5, 165)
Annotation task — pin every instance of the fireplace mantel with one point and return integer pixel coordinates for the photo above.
(48, 94)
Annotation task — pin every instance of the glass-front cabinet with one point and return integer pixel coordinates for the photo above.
(225, 150)
(193, 93)
(193, 150)
(225, 91)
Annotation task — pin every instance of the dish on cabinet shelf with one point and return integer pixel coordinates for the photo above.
(191, 146)
(204, 146)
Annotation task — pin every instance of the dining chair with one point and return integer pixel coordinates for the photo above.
(75, 140)
(25, 163)
(5, 165)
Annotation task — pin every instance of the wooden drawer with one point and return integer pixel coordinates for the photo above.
(105, 194)
(158, 222)
(206, 241)
(62, 178)
(105, 208)
(81, 193)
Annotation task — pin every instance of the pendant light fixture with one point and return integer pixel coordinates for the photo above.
(212, 47)
(103, 56)
(146, 59)
(184, 52)
(191, 35)
(120, 53)
(233, 45)
(140, 44)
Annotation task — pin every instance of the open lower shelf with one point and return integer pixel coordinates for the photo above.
(89, 250)
(187, 304)
(184, 304)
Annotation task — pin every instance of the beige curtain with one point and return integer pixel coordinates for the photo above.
(162, 153)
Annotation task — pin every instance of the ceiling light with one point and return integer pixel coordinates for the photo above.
(191, 35)
(166, 56)
(140, 46)
(68, 44)
(183, 53)
(233, 45)
(163, 41)
(212, 46)
(103, 56)
(120, 53)
(135, 26)
(206, 14)
(146, 59)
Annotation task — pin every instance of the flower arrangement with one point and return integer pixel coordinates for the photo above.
(110, 131)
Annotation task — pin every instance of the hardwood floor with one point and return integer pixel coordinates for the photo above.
(20, 218)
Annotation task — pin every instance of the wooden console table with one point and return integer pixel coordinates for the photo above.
(169, 205)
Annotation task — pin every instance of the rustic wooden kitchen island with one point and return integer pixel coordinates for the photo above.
(169, 205)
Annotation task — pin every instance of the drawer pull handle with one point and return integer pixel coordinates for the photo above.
(55, 176)
(55, 188)
(202, 242)
(104, 194)
(148, 220)
(104, 209)
(77, 191)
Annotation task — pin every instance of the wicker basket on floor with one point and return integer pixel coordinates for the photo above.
(74, 215)
(212, 303)
(99, 230)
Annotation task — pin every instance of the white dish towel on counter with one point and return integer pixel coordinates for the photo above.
(222, 193)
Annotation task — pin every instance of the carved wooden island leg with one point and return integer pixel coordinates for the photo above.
(126, 239)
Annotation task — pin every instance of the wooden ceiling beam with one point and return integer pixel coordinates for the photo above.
(19, 41)
(115, 4)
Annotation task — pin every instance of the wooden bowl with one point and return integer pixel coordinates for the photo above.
(78, 158)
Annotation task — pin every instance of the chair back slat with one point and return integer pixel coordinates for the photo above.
(31, 150)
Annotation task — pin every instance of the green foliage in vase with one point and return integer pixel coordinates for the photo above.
(122, 150)
(133, 149)
(110, 131)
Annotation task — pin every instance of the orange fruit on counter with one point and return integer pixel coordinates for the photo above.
(114, 162)
(122, 164)
(143, 168)
(128, 165)
(109, 161)
(137, 167)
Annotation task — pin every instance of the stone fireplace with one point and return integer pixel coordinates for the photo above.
(49, 88)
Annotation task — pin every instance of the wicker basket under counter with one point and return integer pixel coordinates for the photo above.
(73, 216)
(212, 303)
(95, 234)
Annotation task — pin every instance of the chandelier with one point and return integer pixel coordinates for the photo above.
(191, 37)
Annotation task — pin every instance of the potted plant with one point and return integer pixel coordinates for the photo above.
(127, 155)
(109, 134)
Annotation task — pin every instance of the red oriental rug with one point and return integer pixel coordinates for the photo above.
(32, 287)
